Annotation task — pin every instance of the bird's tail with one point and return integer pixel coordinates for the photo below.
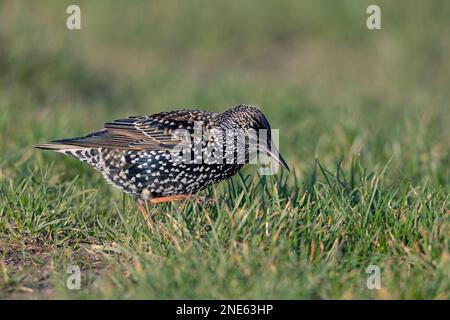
(91, 156)
(58, 147)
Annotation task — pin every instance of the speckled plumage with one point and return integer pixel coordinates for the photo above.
(136, 154)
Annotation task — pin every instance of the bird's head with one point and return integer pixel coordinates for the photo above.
(252, 121)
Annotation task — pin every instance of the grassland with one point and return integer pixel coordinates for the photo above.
(364, 123)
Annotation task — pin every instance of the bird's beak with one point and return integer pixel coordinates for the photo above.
(274, 154)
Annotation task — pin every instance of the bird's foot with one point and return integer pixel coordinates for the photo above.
(204, 200)
(184, 197)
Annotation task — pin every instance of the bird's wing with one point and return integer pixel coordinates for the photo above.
(155, 132)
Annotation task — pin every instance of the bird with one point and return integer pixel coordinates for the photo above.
(172, 155)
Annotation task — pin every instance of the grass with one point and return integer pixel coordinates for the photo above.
(363, 118)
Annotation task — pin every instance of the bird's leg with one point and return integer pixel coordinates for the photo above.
(143, 210)
(197, 199)
(169, 198)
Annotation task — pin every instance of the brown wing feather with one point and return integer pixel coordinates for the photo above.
(153, 132)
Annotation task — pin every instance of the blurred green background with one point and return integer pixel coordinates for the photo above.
(334, 88)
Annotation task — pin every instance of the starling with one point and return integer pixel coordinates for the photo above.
(172, 155)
